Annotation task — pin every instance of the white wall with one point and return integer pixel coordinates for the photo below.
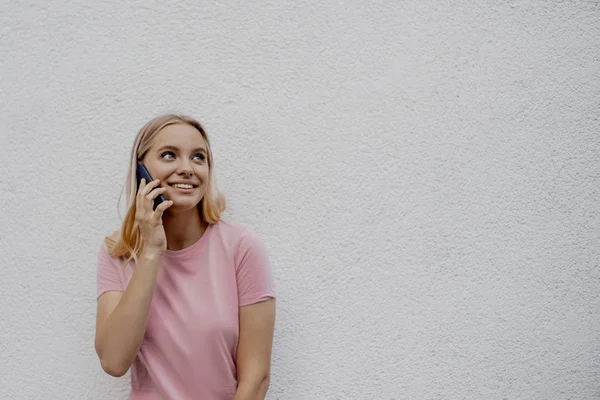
(424, 174)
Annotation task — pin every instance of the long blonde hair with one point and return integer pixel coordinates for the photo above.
(129, 242)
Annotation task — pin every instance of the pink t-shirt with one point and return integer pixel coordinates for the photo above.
(189, 348)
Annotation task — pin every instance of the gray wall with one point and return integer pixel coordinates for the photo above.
(425, 176)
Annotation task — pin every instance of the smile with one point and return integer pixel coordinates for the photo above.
(183, 186)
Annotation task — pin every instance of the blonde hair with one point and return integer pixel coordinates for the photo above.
(129, 242)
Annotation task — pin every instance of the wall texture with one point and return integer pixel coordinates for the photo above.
(425, 176)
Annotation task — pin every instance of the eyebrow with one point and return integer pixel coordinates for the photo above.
(198, 149)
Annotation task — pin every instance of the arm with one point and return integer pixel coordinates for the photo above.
(257, 324)
(122, 317)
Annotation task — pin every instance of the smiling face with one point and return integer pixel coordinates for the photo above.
(179, 158)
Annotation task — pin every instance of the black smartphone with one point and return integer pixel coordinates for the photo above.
(142, 172)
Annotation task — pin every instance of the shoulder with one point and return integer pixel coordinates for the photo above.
(111, 240)
(240, 237)
(105, 257)
(233, 231)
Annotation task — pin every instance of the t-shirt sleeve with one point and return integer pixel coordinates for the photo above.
(109, 277)
(253, 270)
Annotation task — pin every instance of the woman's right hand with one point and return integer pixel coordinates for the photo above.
(150, 220)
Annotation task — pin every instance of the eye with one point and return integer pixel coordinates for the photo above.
(200, 156)
(170, 153)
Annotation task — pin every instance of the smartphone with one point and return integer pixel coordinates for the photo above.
(142, 172)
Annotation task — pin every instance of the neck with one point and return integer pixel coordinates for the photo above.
(183, 229)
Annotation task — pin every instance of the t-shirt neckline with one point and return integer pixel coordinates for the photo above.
(178, 254)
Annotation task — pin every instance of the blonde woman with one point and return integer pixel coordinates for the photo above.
(185, 299)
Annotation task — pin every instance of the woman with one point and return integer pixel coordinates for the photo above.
(184, 299)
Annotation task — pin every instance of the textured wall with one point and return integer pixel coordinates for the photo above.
(425, 177)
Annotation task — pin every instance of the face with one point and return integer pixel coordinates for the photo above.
(179, 158)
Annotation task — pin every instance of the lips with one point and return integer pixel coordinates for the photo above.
(181, 185)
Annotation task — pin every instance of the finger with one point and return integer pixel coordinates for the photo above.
(148, 188)
(138, 201)
(149, 199)
(158, 213)
(143, 196)
(154, 193)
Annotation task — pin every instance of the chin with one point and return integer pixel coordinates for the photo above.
(182, 206)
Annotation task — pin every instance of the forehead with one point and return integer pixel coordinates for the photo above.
(179, 135)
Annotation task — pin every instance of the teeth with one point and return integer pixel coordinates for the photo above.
(183, 186)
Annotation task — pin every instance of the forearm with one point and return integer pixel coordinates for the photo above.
(124, 329)
(255, 389)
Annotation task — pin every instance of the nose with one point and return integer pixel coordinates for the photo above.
(184, 168)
